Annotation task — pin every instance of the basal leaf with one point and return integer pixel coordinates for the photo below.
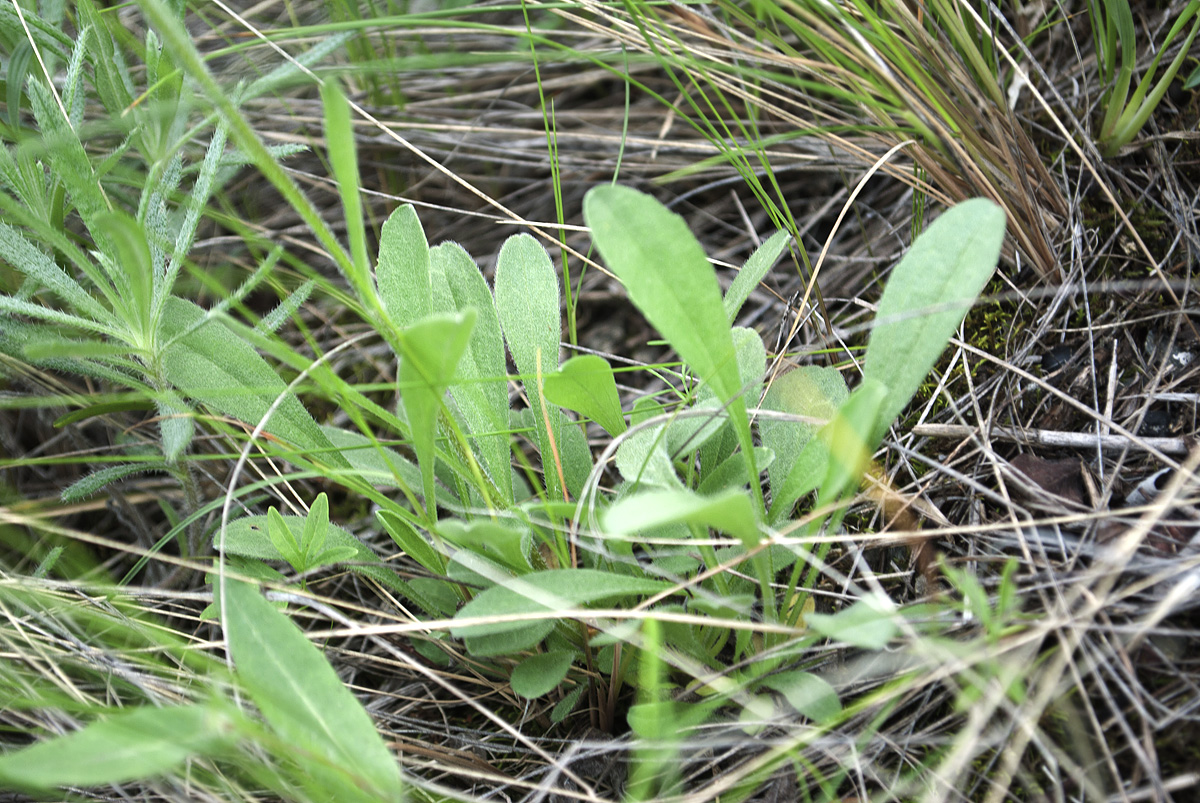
(542, 673)
(134, 744)
(809, 390)
(756, 267)
(809, 694)
(925, 299)
(668, 277)
(300, 695)
(865, 624)
(528, 306)
(482, 392)
(731, 512)
(403, 268)
(553, 590)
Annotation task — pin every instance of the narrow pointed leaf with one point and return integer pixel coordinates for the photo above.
(756, 268)
(135, 744)
(300, 695)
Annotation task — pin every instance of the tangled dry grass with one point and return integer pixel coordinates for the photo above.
(1056, 435)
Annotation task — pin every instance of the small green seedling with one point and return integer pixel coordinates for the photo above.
(308, 552)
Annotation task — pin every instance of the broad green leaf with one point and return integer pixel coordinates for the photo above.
(300, 695)
(492, 539)
(541, 674)
(643, 459)
(810, 390)
(756, 267)
(528, 306)
(809, 694)
(553, 590)
(434, 347)
(865, 624)
(134, 744)
(670, 280)
(482, 390)
(926, 297)
(688, 433)
(731, 512)
(585, 384)
(343, 157)
(731, 473)
(403, 268)
(214, 366)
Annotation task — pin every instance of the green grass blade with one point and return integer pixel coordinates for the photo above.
(343, 156)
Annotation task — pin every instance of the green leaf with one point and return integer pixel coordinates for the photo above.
(134, 268)
(731, 512)
(670, 280)
(300, 695)
(434, 347)
(482, 392)
(408, 539)
(528, 306)
(250, 537)
(812, 391)
(31, 261)
(93, 483)
(343, 158)
(642, 458)
(926, 298)
(491, 539)
(585, 384)
(865, 624)
(403, 268)
(134, 744)
(541, 674)
(756, 267)
(210, 363)
(809, 694)
(176, 425)
(563, 708)
(543, 592)
(316, 525)
(1192, 80)
(846, 438)
(282, 538)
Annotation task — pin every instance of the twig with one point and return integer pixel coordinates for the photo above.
(1046, 437)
